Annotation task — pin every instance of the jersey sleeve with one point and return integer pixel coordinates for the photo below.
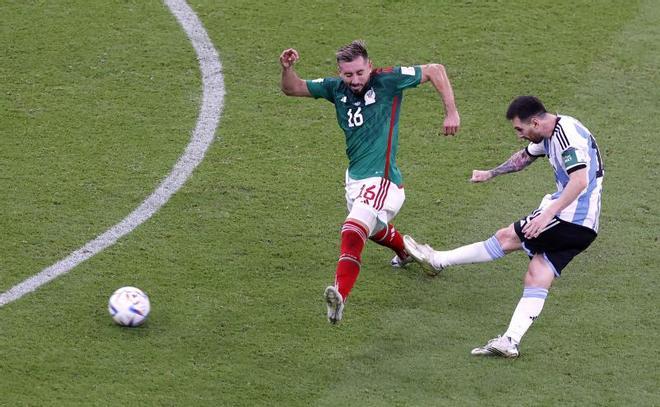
(536, 149)
(399, 78)
(573, 159)
(322, 88)
(573, 145)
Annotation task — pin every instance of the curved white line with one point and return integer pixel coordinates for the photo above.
(202, 137)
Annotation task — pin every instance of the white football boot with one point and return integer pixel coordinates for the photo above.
(335, 304)
(423, 254)
(500, 346)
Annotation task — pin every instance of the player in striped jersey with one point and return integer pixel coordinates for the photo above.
(565, 223)
(367, 102)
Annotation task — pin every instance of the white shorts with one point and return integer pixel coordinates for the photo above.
(373, 200)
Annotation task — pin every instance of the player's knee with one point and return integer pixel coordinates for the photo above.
(508, 238)
(539, 273)
(536, 279)
(365, 215)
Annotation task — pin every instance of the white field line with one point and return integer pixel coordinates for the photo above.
(202, 137)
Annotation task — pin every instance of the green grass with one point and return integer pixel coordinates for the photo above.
(99, 100)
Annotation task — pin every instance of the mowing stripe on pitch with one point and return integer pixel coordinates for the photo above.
(202, 137)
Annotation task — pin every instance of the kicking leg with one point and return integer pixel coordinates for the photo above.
(504, 241)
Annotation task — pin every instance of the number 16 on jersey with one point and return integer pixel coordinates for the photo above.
(355, 119)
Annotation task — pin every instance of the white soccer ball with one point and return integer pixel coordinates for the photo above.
(129, 306)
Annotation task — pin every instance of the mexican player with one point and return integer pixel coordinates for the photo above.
(367, 102)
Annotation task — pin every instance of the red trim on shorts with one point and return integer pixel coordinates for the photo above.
(382, 193)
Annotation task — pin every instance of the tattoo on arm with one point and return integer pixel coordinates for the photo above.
(517, 162)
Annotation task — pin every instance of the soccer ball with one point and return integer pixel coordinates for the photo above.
(129, 306)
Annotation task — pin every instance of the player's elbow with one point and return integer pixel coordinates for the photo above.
(286, 88)
(434, 72)
(294, 88)
(292, 92)
(583, 184)
(438, 70)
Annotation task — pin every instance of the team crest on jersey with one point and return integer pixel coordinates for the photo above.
(370, 97)
(343, 99)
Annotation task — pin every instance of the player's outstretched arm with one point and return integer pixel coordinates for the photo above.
(518, 161)
(291, 83)
(437, 74)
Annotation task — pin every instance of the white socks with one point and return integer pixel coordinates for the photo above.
(479, 252)
(528, 309)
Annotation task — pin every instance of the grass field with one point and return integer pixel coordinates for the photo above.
(99, 100)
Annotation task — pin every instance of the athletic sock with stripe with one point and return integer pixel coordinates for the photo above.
(353, 238)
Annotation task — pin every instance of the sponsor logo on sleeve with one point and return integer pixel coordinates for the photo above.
(570, 157)
(408, 70)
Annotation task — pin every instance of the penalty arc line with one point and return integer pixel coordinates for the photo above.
(202, 137)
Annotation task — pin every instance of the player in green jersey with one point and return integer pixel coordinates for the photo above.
(367, 102)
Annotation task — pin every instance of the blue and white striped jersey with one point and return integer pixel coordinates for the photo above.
(571, 147)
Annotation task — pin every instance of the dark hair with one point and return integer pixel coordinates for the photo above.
(350, 52)
(524, 108)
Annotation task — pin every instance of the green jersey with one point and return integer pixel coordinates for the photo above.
(370, 120)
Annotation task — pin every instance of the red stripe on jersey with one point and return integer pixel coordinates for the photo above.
(395, 102)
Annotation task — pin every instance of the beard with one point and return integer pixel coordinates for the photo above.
(358, 91)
